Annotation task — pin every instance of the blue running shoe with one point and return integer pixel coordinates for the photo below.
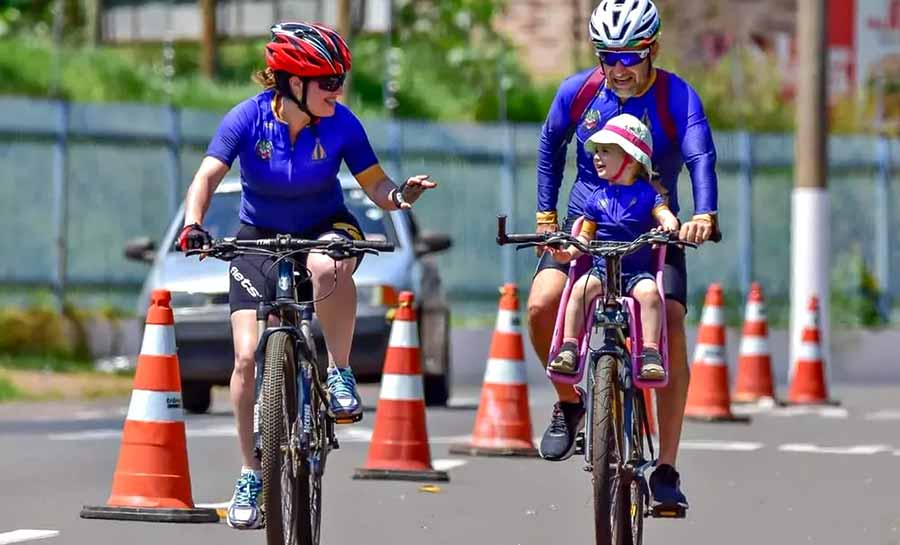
(244, 513)
(344, 403)
(665, 485)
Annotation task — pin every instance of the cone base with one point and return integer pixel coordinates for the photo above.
(149, 515)
(753, 399)
(813, 401)
(468, 449)
(700, 417)
(427, 475)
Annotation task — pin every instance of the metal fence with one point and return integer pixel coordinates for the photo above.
(78, 180)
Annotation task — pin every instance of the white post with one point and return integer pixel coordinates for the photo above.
(810, 243)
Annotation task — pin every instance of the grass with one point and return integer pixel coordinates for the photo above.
(44, 363)
(35, 378)
(8, 391)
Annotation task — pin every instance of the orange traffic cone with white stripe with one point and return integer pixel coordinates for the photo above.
(503, 422)
(399, 448)
(708, 392)
(754, 382)
(151, 481)
(808, 372)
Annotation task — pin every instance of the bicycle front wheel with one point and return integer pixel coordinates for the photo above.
(606, 411)
(278, 420)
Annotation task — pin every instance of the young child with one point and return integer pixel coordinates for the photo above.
(620, 210)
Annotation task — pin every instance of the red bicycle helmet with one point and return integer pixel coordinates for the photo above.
(307, 50)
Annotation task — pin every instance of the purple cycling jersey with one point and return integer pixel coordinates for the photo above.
(693, 145)
(291, 188)
(623, 213)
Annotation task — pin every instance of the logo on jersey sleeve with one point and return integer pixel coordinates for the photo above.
(591, 120)
(264, 149)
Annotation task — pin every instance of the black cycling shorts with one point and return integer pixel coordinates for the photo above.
(253, 277)
(674, 273)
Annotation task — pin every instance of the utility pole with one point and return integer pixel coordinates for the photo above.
(94, 24)
(209, 39)
(345, 28)
(810, 266)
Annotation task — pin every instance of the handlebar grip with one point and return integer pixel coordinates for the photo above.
(501, 230)
(377, 245)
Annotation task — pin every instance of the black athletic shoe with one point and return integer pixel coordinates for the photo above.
(665, 485)
(558, 442)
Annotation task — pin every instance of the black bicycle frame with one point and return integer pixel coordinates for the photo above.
(288, 309)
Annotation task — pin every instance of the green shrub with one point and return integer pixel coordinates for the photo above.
(40, 330)
(8, 391)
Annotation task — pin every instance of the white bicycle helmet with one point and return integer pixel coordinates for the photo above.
(624, 24)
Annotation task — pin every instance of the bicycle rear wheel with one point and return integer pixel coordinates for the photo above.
(312, 466)
(606, 411)
(637, 491)
(278, 420)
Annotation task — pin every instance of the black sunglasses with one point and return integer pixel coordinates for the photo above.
(331, 83)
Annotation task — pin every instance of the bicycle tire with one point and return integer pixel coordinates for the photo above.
(602, 445)
(278, 414)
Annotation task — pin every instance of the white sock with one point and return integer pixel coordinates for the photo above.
(256, 472)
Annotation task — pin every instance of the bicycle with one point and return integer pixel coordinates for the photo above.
(293, 430)
(618, 437)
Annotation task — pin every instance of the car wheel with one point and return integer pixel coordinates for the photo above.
(196, 396)
(435, 333)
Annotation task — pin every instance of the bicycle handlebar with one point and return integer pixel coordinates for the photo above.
(595, 247)
(340, 247)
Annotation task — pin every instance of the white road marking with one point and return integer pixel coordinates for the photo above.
(220, 505)
(86, 435)
(447, 464)
(19, 536)
(852, 450)
(887, 414)
(794, 410)
(737, 446)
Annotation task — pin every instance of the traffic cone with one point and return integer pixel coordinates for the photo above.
(503, 421)
(708, 392)
(754, 382)
(808, 376)
(399, 448)
(151, 481)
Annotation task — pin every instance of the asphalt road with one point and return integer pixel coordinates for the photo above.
(825, 476)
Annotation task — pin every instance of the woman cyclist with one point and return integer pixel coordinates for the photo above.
(291, 139)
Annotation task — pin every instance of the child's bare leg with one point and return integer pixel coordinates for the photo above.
(646, 293)
(579, 301)
(583, 292)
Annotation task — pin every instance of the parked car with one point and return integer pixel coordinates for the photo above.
(200, 295)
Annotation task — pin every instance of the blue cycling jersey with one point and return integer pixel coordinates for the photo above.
(623, 213)
(291, 188)
(693, 145)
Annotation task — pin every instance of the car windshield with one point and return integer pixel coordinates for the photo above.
(222, 219)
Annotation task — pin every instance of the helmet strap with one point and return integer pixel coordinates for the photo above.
(283, 86)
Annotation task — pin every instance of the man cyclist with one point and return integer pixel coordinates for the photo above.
(625, 36)
(291, 139)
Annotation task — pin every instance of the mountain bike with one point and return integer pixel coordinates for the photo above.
(293, 431)
(617, 444)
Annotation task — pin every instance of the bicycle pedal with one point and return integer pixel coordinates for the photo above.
(668, 512)
(579, 443)
(348, 419)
